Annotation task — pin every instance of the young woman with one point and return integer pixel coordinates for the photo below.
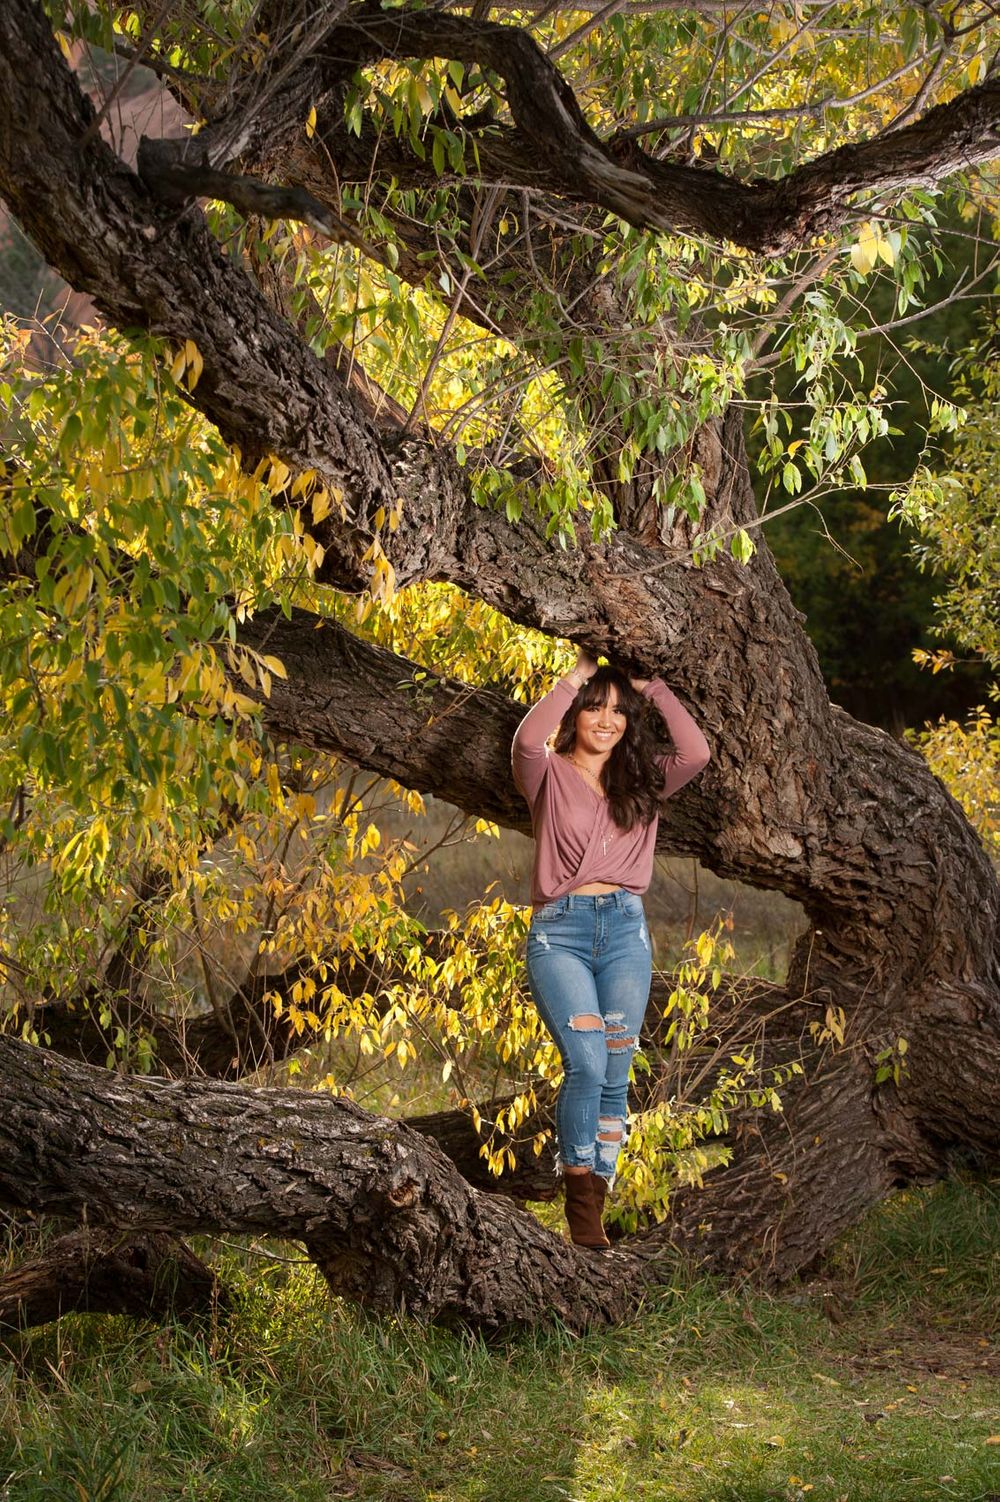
(595, 792)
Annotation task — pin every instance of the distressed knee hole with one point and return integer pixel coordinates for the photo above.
(619, 1041)
(586, 1022)
(610, 1129)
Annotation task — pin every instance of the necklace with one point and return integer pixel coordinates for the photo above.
(606, 839)
(587, 773)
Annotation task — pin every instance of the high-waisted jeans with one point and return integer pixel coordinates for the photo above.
(589, 968)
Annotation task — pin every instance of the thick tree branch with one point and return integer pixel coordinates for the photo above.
(92, 1271)
(385, 1216)
(177, 181)
(552, 146)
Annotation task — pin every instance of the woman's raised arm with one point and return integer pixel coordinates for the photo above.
(691, 751)
(529, 753)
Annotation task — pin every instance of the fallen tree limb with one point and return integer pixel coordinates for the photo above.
(101, 1271)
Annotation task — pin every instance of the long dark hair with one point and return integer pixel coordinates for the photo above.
(632, 777)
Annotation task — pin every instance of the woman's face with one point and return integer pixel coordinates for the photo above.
(599, 730)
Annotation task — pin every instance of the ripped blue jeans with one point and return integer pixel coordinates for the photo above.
(589, 968)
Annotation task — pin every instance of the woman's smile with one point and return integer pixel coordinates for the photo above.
(601, 728)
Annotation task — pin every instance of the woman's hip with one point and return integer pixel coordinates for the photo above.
(595, 930)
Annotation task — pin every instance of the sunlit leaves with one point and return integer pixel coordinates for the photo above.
(967, 759)
(677, 1138)
(952, 513)
(873, 246)
(952, 517)
(146, 540)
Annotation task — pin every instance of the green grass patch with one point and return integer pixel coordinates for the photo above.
(877, 1381)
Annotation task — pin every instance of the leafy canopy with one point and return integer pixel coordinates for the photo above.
(564, 357)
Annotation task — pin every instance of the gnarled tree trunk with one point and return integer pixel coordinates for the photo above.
(902, 903)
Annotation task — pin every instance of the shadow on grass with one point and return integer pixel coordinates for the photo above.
(712, 1395)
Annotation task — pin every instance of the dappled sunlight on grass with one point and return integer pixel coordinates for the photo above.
(711, 1395)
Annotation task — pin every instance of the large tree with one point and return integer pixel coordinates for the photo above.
(589, 481)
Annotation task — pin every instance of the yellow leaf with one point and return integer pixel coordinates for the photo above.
(864, 253)
(194, 361)
(311, 123)
(278, 474)
(276, 666)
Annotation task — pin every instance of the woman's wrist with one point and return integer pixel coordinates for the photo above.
(585, 667)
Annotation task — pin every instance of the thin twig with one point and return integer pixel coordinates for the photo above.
(140, 57)
(604, 14)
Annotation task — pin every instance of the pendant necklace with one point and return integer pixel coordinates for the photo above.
(606, 839)
(595, 780)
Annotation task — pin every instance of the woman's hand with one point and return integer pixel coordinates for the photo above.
(640, 683)
(586, 667)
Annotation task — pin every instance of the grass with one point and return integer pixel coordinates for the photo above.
(877, 1381)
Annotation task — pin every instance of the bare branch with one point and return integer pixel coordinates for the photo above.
(168, 171)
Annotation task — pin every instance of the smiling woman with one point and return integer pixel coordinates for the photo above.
(595, 796)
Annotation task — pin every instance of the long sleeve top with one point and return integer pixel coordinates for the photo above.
(576, 840)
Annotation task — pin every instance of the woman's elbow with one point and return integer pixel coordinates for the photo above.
(521, 751)
(697, 757)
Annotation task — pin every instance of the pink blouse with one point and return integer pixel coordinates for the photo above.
(576, 840)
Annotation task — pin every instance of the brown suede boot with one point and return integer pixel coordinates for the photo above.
(599, 1184)
(582, 1213)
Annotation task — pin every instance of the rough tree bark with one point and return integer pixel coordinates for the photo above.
(902, 903)
(107, 1272)
(384, 1215)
